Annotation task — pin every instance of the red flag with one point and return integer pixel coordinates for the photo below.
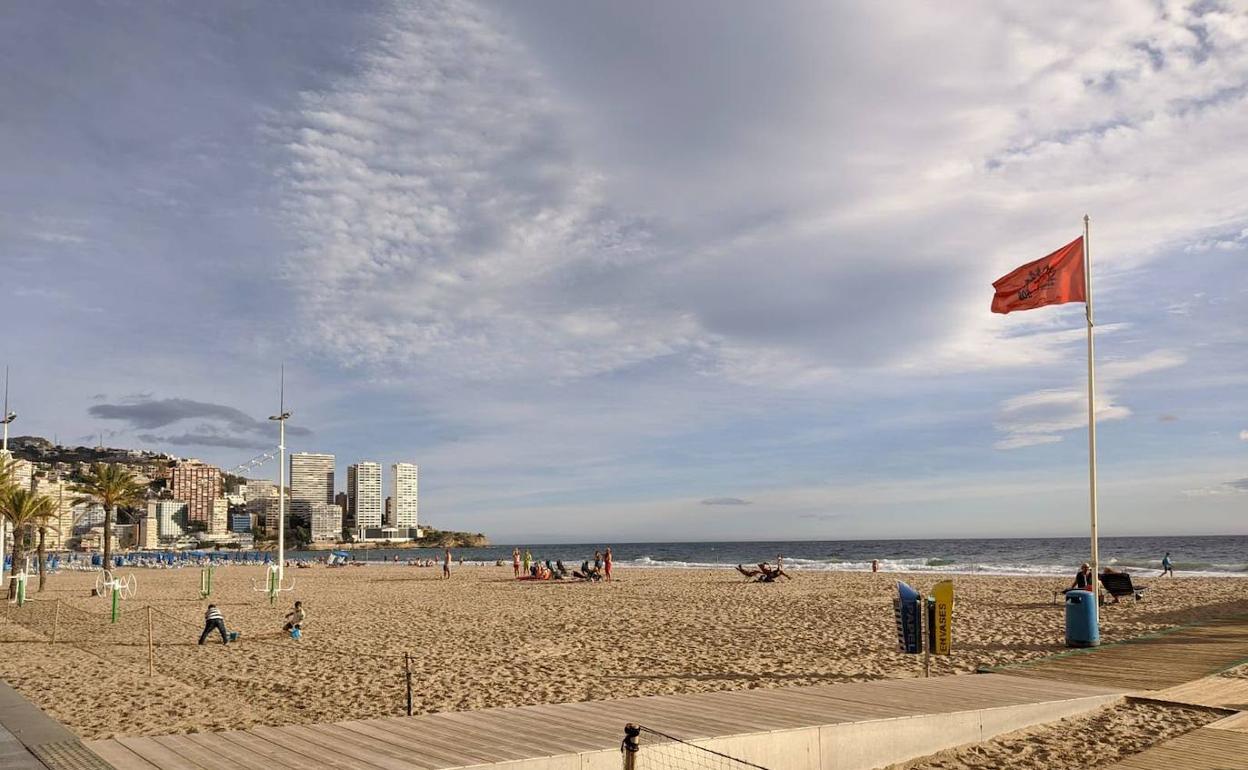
(1052, 280)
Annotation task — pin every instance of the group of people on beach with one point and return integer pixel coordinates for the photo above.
(215, 621)
(526, 567)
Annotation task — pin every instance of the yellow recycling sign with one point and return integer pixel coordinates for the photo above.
(942, 618)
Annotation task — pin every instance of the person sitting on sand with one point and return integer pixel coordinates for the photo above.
(1083, 579)
(295, 618)
(214, 619)
(562, 570)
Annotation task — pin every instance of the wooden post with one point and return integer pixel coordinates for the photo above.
(407, 673)
(56, 620)
(151, 654)
(629, 747)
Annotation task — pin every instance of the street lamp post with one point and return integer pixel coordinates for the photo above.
(280, 418)
(4, 456)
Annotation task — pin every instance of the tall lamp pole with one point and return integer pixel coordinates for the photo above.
(280, 418)
(4, 456)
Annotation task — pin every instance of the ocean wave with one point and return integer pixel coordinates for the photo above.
(953, 567)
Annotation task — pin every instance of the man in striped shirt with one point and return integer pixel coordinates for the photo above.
(213, 619)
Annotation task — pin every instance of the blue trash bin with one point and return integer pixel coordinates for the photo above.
(1081, 627)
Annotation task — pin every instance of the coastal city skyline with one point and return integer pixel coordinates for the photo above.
(686, 275)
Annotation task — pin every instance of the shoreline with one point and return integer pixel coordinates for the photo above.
(1039, 572)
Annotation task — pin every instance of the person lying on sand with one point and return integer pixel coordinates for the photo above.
(770, 574)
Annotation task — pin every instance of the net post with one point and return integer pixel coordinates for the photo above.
(56, 621)
(407, 674)
(629, 746)
(151, 653)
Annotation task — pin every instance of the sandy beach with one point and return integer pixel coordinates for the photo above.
(483, 639)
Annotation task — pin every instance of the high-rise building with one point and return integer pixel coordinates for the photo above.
(311, 481)
(257, 488)
(61, 526)
(198, 485)
(325, 521)
(403, 490)
(364, 496)
(149, 528)
(220, 521)
(342, 502)
(172, 517)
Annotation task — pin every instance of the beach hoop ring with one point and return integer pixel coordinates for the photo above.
(103, 579)
(106, 583)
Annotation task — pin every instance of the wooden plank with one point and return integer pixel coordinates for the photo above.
(157, 754)
(1202, 749)
(193, 752)
(418, 740)
(446, 730)
(493, 731)
(503, 722)
(327, 756)
(240, 756)
(268, 749)
(119, 756)
(382, 754)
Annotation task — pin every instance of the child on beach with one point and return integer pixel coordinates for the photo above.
(295, 618)
(214, 619)
(1167, 567)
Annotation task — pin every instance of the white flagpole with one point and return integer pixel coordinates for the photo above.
(1087, 267)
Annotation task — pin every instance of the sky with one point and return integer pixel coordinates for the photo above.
(643, 271)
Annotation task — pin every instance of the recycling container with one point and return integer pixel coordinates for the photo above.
(1081, 627)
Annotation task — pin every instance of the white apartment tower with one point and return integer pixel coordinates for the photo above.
(311, 481)
(364, 495)
(403, 491)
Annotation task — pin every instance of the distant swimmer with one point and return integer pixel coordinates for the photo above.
(1167, 566)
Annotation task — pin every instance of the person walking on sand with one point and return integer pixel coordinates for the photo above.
(1167, 566)
(515, 561)
(213, 619)
(607, 562)
(446, 565)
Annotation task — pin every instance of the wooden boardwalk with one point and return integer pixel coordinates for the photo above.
(473, 738)
(1209, 748)
(1153, 662)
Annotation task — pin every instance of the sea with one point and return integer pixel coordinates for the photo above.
(1217, 555)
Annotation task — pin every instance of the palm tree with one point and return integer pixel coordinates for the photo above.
(25, 510)
(44, 521)
(112, 486)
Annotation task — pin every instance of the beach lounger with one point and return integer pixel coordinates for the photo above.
(1118, 584)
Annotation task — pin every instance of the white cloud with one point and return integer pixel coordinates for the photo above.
(1042, 416)
(1243, 435)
